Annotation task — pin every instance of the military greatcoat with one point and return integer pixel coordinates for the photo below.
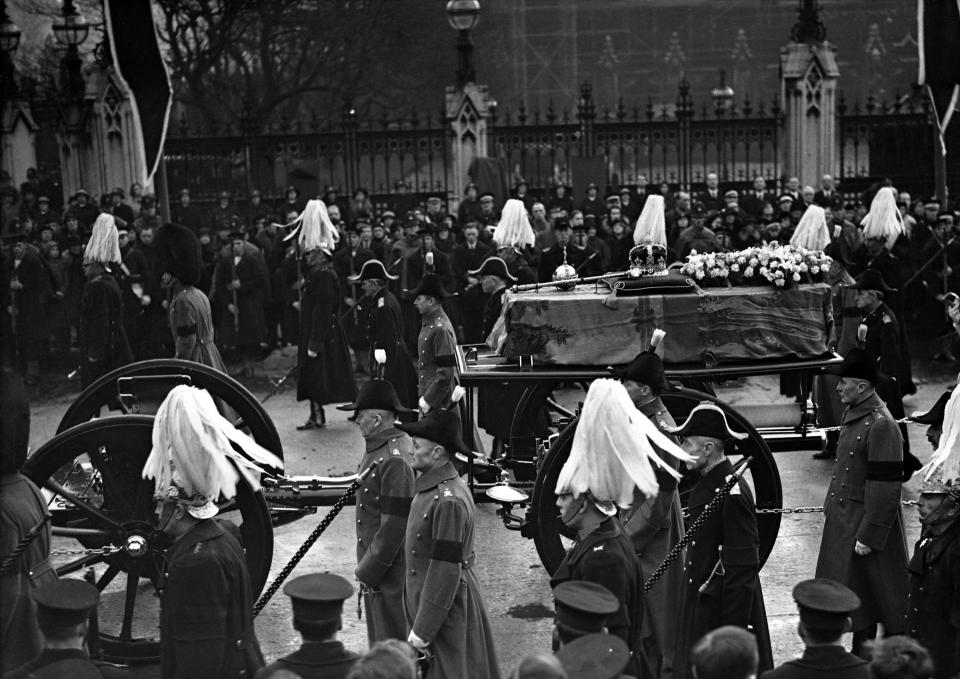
(863, 504)
(933, 611)
(383, 505)
(103, 343)
(314, 660)
(828, 662)
(441, 597)
(250, 327)
(206, 613)
(721, 573)
(327, 377)
(606, 556)
(654, 527)
(436, 359)
(66, 662)
(385, 331)
(191, 322)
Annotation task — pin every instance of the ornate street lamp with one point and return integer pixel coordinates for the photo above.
(463, 15)
(9, 41)
(71, 30)
(722, 96)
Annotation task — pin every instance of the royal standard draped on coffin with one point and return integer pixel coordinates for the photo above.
(715, 325)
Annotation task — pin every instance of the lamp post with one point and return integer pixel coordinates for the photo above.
(463, 15)
(71, 30)
(722, 96)
(9, 41)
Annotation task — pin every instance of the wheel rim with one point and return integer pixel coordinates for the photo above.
(765, 479)
(95, 470)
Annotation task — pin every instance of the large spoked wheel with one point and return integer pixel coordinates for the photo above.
(91, 476)
(553, 538)
(152, 379)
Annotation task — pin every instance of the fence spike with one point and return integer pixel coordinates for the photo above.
(650, 112)
(871, 102)
(747, 105)
(522, 113)
(841, 104)
(551, 113)
(621, 111)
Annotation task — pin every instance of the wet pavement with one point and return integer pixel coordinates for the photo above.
(516, 587)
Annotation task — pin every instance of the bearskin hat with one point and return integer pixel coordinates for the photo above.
(179, 251)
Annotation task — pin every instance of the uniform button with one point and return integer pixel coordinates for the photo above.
(842, 485)
(359, 540)
(693, 543)
(424, 516)
(361, 505)
(413, 551)
(418, 535)
(377, 498)
(851, 453)
(691, 581)
(358, 522)
(832, 494)
(413, 571)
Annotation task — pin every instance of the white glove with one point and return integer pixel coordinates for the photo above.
(311, 354)
(424, 406)
(416, 641)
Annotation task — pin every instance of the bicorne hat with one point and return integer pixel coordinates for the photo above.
(646, 367)
(377, 395)
(871, 279)
(372, 269)
(442, 427)
(935, 415)
(494, 266)
(432, 286)
(858, 364)
(708, 419)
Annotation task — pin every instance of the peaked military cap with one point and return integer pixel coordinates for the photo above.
(824, 603)
(595, 656)
(583, 606)
(494, 266)
(318, 597)
(65, 602)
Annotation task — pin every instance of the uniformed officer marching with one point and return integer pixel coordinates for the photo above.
(436, 346)
(825, 607)
(721, 571)
(63, 612)
(933, 610)
(383, 504)
(655, 524)
(863, 544)
(317, 602)
(442, 595)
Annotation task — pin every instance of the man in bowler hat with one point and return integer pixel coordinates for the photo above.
(383, 505)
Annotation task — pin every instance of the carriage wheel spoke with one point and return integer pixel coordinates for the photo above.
(82, 562)
(130, 600)
(108, 576)
(82, 505)
(112, 484)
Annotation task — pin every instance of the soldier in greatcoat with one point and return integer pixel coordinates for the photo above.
(240, 283)
(29, 289)
(383, 505)
(317, 603)
(721, 583)
(436, 346)
(594, 481)
(655, 525)
(206, 611)
(442, 595)
(189, 314)
(384, 330)
(933, 610)
(863, 544)
(103, 343)
(323, 357)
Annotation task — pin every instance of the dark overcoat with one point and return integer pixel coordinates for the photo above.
(206, 613)
(29, 301)
(933, 611)
(383, 505)
(385, 331)
(721, 572)
(314, 660)
(66, 662)
(832, 662)
(191, 323)
(654, 526)
(250, 329)
(606, 557)
(103, 343)
(436, 360)
(442, 596)
(327, 377)
(863, 504)
(22, 507)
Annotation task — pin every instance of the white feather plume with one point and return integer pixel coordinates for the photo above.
(884, 219)
(862, 332)
(656, 338)
(192, 449)
(613, 450)
(514, 228)
(812, 232)
(313, 228)
(651, 225)
(946, 458)
(104, 243)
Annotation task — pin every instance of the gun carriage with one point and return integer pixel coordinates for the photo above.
(91, 470)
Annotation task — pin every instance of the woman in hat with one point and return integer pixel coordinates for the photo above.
(189, 314)
(325, 369)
